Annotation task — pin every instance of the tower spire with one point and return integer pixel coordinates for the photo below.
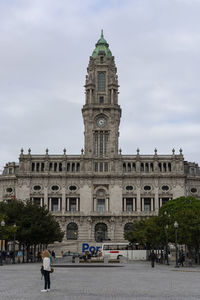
(102, 33)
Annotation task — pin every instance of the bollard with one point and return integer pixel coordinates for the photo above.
(105, 260)
(77, 260)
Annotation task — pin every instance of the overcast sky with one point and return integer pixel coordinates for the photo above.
(44, 52)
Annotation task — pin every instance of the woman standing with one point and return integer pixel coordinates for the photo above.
(47, 270)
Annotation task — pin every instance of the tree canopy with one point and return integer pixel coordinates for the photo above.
(34, 224)
(152, 231)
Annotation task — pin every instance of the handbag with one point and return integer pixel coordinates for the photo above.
(42, 271)
(52, 270)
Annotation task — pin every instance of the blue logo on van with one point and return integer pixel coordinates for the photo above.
(87, 247)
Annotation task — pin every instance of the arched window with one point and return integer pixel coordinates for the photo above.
(78, 167)
(60, 167)
(101, 81)
(134, 167)
(68, 167)
(129, 167)
(37, 167)
(124, 167)
(127, 227)
(72, 231)
(101, 232)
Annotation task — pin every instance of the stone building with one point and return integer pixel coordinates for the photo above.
(97, 195)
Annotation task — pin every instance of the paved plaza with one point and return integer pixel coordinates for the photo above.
(136, 280)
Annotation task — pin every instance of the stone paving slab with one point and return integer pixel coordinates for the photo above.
(132, 281)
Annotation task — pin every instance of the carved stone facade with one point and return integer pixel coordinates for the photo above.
(96, 195)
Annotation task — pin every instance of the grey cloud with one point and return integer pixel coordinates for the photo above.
(45, 48)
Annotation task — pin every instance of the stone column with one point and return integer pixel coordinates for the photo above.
(95, 203)
(124, 204)
(138, 200)
(63, 201)
(152, 204)
(134, 204)
(107, 204)
(77, 204)
(112, 98)
(41, 204)
(67, 208)
(50, 207)
(160, 202)
(45, 197)
(156, 200)
(142, 204)
(90, 96)
(59, 202)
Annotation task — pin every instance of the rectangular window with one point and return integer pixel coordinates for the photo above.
(106, 143)
(101, 167)
(129, 204)
(100, 205)
(36, 201)
(42, 167)
(101, 81)
(106, 167)
(72, 204)
(54, 203)
(164, 200)
(101, 99)
(96, 167)
(147, 204)
(33, 167)
(101, 143)
(96, 143)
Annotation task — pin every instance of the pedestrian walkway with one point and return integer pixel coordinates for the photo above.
(136, 280)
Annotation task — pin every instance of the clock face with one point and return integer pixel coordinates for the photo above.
(101, 122)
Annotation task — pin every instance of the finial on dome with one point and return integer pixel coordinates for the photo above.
(101, 33)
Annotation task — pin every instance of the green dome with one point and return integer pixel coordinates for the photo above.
(102, 45)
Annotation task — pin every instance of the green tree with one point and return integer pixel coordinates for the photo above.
(35, 225)
(147, 232)
(152, 231)
(186, 211)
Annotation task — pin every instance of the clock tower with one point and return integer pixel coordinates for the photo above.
(101, 112)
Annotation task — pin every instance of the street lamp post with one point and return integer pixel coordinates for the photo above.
(166, 233)
(176, 229)
(2, 228)
(167, 255)
(14, 244)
